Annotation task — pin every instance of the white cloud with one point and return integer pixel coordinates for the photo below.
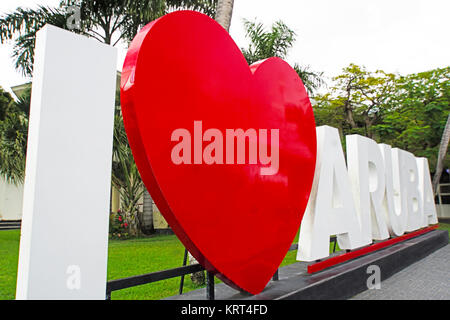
(404, 36)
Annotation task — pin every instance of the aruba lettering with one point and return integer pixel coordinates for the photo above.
(213, 153)
(384, 192)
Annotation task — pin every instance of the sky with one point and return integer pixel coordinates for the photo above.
(399, 36)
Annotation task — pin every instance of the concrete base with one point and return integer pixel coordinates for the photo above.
(339, 282)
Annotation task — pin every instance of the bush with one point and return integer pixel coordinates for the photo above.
(118, 228)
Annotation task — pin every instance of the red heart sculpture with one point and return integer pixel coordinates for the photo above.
(237, 217)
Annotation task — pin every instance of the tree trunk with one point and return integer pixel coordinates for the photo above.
(442, 153)
(349, 115)
(224, 11)
(133, 224)
(147, 214)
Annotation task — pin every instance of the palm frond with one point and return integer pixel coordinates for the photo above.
(265, 44)
(312, 80)
(207, 7)
(22, 26)
(13, 144)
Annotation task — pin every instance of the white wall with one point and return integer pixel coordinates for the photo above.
(10, 201)
(443, 210)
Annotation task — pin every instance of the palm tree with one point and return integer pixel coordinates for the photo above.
(13, 136)
(265, 44)
(147, 214)
(21, 26)
(312, 80)
(109, 22)
(224, 12)
(130, 190)
(276, 43)
(442, 153)
(6, 103)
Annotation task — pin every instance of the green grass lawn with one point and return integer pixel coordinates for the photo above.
(133, 257)
(125, 258)
(9, 253)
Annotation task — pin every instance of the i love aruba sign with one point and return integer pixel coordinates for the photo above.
(229, 153)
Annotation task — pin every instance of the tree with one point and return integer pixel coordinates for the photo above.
(22, 26)
(265, 44)
(312, 80)
(359, 98)
(107, 21)
(415, 118)
(224, 13)
(13, 136)
(131, 191)
(147, 226)
(6, 104)
(407, 112)
(276, 43)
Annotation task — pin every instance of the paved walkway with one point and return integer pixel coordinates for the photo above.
(426, 279)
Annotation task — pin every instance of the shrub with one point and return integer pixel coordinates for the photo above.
(118, 227)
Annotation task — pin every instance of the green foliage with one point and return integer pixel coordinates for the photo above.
(6, 104)
(276, 43)
(131, 192)
(13, 145)
(407, 112)
(118, 227)
(21, 26)
(312, 80)
(109, 22)
(265, 44)
(13, 136)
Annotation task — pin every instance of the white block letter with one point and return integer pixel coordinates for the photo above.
(331, 210)
(366, 172)
(395, 199)
(68, 168)
(410, 184)
(426, 192)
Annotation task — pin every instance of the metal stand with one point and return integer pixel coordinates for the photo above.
(209, 280)
(182, 277)
(209, 286)
(275, 276)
